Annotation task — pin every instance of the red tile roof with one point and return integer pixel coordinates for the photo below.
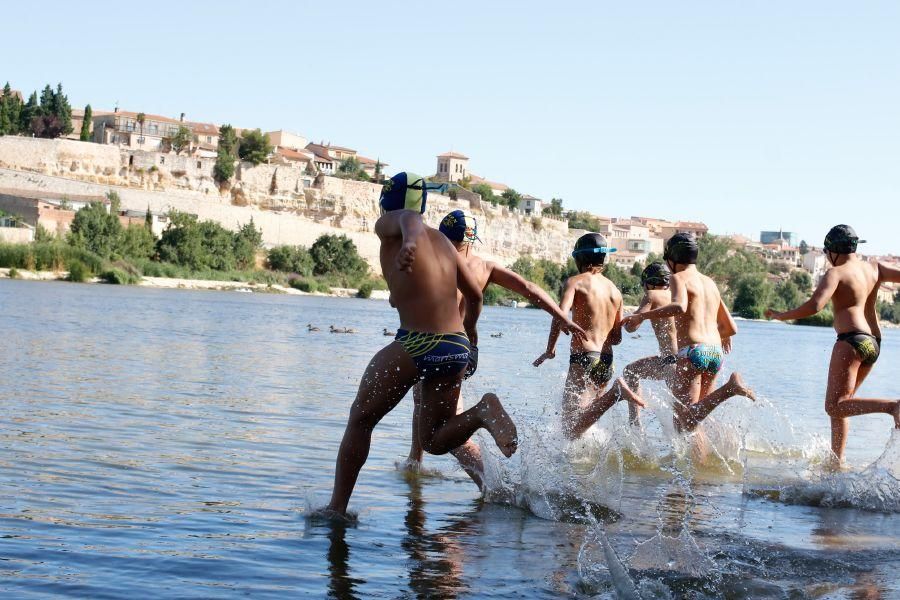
(453, 155)
(294, 154)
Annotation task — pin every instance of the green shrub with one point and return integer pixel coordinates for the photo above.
(337, 255)
(304, 285)
(290, 259)
(14, 273)
(821, 319)
(365, 290)
(119, 277)
(78, 271)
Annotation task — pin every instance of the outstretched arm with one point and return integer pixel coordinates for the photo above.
(816, 303)
(643, 307)
(407, 225)
(534, 294)
(472, 297)
(887, 273)
(727, 326)
(678, 306)
(565, 306)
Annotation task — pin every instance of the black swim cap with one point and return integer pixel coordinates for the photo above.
(682, 249)
(842, 239)
(591, 250)
(657, 274)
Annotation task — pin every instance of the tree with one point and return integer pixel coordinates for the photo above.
(247, 241)
(378, 168)
(141, 118)
(804, 247)
(486, 193)
(583, 220)
(47, 101)
(137, 241)
(223, 170)
(85, 135)
(62, 109)
(96, 229)
(148, 219)
(555, 208)
(181, 140)
(47, 126)
(802, 280)
(255, 147)
(752, 295)
(336, 255)
(10, 112)
(511, 198)
(290, 259)
(228, 139)
(31, 110)
(350, 168)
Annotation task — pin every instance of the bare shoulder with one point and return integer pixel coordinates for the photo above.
(659, 298)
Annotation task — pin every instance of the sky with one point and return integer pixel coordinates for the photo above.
(747, 116)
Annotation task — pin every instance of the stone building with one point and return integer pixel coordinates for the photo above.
(451, 167)
(123, 129)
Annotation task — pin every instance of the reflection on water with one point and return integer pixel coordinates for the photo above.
(166, 443)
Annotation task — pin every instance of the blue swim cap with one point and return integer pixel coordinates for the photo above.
(404, 191)
(460, 227)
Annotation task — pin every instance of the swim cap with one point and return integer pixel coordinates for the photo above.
(591, 249)
(656, 273)
(842, 239)
(404, 191)
(460, 227)
(682, 249)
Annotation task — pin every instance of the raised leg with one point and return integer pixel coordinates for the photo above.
(735, 386)
(468, 455)
(845, 375)
(390, 374)
(590, 414)
(650, 367)
(442, 430)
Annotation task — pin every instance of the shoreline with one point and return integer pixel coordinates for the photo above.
(174, 283)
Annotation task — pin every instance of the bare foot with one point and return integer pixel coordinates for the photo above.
(896, 414)
(410, 465)
(498, 423)
(626, 393)
(739, 387)
(329, 515)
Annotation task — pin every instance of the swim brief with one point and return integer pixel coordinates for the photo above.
(867, 346)
(597, 365)
(704, 357)
(436, 354)
(472, 365)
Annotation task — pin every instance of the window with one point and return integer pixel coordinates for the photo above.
(199, 165)
(209, 139)
(162, 160)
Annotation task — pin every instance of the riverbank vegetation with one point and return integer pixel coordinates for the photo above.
(98, 245)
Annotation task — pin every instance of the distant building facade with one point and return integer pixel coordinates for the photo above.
(772, 237)
(451, 167)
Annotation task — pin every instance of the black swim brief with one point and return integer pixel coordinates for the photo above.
(436, 354)
(472, 366)
(597, 365)
(867, 346)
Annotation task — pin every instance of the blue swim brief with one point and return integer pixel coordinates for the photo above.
(436, 354)
(704, 357)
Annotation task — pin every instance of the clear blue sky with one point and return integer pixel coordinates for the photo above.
(745, 115)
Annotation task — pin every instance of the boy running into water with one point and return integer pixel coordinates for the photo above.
(852, 286)
(655, 280)
(423, 272)
(596, 306)
(703, 328)
(462, 231)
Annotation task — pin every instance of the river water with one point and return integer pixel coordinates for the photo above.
(167, 443)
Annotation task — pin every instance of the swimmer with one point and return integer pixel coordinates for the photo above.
(596, 306)
(423, 272)
(655, 281)
(703, 328)
(852, 287)
(462, 231)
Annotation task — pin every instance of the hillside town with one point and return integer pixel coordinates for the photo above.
(152, 147)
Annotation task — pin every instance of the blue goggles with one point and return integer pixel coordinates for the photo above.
(600, 250)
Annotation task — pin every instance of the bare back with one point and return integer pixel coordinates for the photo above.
(855, 296)
(663, 328)
(698, 325)
(596, 308)
(425, 297)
